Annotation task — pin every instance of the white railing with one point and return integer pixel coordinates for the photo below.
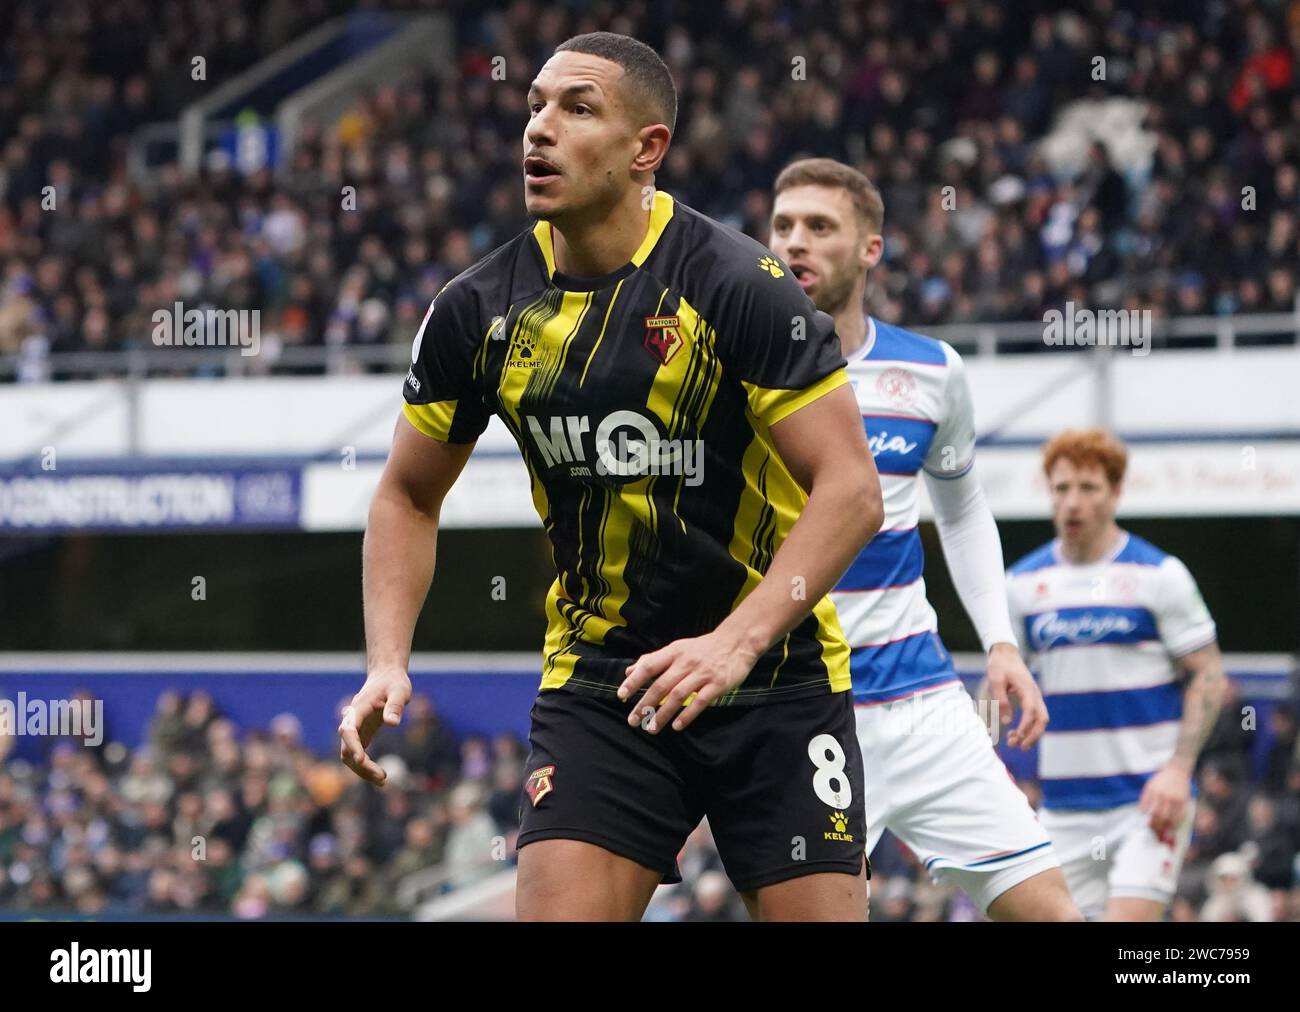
(1173, 332)
(976, 339)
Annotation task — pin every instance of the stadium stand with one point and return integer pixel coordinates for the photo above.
(1196, 104)
(1185, 201)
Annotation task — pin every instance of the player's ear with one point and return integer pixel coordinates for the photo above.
(654, 140)
(871, 248)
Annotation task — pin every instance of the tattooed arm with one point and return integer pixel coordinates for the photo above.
(1202, 697)
(1166, 794)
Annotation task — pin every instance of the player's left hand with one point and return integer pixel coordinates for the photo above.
(1165, 798)
(1009, 679)
(707, 666)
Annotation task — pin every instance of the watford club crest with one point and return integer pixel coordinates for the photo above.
(539, 783)
(662, 339)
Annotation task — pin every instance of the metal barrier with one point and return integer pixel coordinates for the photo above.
(1018, 337)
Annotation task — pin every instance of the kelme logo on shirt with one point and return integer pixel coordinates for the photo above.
(523, 350)
(772, 266)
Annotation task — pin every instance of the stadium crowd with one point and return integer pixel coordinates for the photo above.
(1173, 187)
(209, 819)
(204, 818)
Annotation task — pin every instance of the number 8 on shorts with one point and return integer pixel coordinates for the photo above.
(830, 783)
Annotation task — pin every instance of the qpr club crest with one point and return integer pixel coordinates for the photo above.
(662, 338)
(1123, 585)
(898, 387)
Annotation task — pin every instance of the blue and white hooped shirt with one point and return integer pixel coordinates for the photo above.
(1103, 639)
(917, 411)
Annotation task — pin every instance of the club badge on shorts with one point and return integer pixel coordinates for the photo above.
(539, 783)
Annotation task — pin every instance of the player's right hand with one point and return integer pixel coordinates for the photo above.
(380, 701)
(1010, 682)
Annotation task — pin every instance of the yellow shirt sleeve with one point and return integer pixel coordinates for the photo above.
(770, 406)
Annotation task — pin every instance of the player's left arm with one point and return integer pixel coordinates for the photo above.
(785, 355)
(973, 552)
(1167, 794)
(824, 446)
(1188, 632)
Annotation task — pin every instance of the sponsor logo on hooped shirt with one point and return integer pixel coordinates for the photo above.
(1051, 628)
(882, 442)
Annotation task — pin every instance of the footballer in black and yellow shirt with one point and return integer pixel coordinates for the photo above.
(642, 402)
(702, 473)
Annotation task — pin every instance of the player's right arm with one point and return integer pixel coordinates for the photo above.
(397, 563)
(971, 546)
(442, 419)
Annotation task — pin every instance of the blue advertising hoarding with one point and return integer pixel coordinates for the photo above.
(151, 498)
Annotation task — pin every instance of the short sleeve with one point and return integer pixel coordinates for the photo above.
(783, 349)
(1181, 615)
(952, 451)
(441, 398)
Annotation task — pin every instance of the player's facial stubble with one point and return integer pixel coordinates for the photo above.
(587, 135)
(813, 225)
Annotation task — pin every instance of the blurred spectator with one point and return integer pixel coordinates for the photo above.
(472, 838)
(355, 891)
(428, 747)
(1234, 894)
(1219, 825)
(713, 899)
(1271, 843)
(1227, 748)
(1282, 752)
(507, 792)
(475, 759)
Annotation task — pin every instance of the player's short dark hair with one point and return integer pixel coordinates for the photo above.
(646, 76)
(828, 172)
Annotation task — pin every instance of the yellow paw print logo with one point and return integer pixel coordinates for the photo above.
(840, 821)
(772, 266)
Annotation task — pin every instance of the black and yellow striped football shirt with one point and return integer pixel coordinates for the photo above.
(642, 403)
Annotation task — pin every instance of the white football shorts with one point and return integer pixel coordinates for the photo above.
(934, 780)
(1112, 852)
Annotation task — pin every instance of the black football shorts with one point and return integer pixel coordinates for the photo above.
(780, 783)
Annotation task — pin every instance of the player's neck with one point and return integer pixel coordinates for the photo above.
(851, 326)
(603, 243)
(1083, 553)
(851, 320)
